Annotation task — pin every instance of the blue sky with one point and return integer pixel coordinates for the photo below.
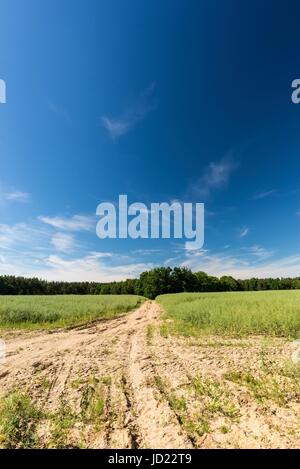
(161, 100)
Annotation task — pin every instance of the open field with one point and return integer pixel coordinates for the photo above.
(150, 379)
(62, 310)
(275, 313)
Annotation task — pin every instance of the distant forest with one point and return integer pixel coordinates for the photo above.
(150, 284)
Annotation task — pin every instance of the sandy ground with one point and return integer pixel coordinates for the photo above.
(158, 391)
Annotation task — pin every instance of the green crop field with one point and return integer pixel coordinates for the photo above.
(62, 310)
(274, 313)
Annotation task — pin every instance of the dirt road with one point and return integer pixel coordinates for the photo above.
(123, 383)
(56, 367)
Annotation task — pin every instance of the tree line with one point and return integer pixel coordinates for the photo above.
(150, 284)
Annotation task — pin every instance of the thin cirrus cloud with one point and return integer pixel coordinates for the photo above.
(220, 264)
(13, 195)
(63, 242)
(90, 267)
(32, 250)
(17, 196)
(216, 176)
(19, 234)
(75, 223)
(10, 234)
(263, 194)
(243, 232)
(260, 253)
(120, 125)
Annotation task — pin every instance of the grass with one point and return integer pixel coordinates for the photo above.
(275, 313)
(21, 419)
(211, 401)
(218, 397)
(62, 310)
(62, 423)
(18, 421)
(91, 413)
(262, 389)
(150, 333)
(93, 401)
(270, 382)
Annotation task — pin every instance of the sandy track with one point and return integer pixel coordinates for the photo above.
(135, 415)
(158, 391)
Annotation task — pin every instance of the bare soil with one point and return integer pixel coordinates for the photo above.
(157, 391)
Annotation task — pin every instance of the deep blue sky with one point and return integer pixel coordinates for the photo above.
(160, 100)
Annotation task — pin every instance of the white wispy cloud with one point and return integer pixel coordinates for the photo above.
(215, 176)
(255, 262)
(63, 242)
(74, 223)
(32, 249)
(19, 234)
(211, 263)
(9, 234)
(243, 231)
(11, 194)
(90, 267)
(17, 196)
(284, 267)
(128, 120)
(264, 194)
(260, 252)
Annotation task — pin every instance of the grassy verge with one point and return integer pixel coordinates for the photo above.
(18, 422)
(25, 424)
(275, 313)
(199, 404)
(62, 310)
